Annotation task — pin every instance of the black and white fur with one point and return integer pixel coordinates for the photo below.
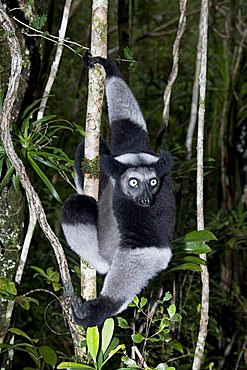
(127, 235)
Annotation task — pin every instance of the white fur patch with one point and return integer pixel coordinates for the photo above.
(79, 189)
(121, 102)
(136, 159)
(83, 240)
(131, 271)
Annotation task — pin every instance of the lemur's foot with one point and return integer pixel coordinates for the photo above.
(93, 312)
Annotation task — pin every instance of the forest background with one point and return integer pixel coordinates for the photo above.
(140, 38)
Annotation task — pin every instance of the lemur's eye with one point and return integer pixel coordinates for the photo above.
(153, 182)
(133, 182)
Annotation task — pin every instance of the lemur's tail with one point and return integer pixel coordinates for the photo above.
(129, 131)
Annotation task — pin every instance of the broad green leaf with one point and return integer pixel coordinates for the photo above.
(176, 345)
(73, 365)
(199, 236)
(197, 247)
(122, 323)
(48, 354)
(136, 301)
(171, 310)
(164, 323)
(20, 332)
(194, 259)
(186, 266)
(137, 338)
(107, 333)
(114, 343)
(143, 301)
(92, 338)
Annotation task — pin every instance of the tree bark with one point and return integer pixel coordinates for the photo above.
(201, 340)
(93, 120)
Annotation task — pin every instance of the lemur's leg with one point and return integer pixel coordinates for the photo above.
(129, 273)
(79, 223)
(125, 116)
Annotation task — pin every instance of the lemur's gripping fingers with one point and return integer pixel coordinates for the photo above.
(88, 59)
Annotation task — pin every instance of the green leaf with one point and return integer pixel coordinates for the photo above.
(20, 332)
(7, 176)
(120, 347)
(164, 323)
(194, 259)
(197, 247)
(143, 301)
(186, 266)
(23, 302)
(7, 286)
(40, 271)
(122, 323)
(92, 338)
(171, 310)
(107, 333)
(73, 365)
(167, 297)
(137, 338)
(44, 178)
(136, 301)
(199, 236)
(48, 354)
(129, 361)
(176, 345)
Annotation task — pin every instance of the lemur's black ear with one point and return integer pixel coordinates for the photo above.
(111, 166)
(164, 164)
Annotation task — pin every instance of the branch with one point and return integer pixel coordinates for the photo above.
(174, 71)
(93, 120)
(57, 59)
(50, 37)
(201, 340)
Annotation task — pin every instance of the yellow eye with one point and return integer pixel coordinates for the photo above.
(133, 182)
(153, 182)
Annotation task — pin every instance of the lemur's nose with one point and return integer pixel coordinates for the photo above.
(145, 201)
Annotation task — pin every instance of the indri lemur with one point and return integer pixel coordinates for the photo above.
(127, 235)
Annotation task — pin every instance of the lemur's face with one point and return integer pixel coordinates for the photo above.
(140, 184)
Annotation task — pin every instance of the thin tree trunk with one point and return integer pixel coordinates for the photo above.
(57, 59)
(201, 340)
(93, 120)
(195, 93)
(174, 71)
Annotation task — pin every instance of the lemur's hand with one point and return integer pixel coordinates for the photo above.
(88, 59)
